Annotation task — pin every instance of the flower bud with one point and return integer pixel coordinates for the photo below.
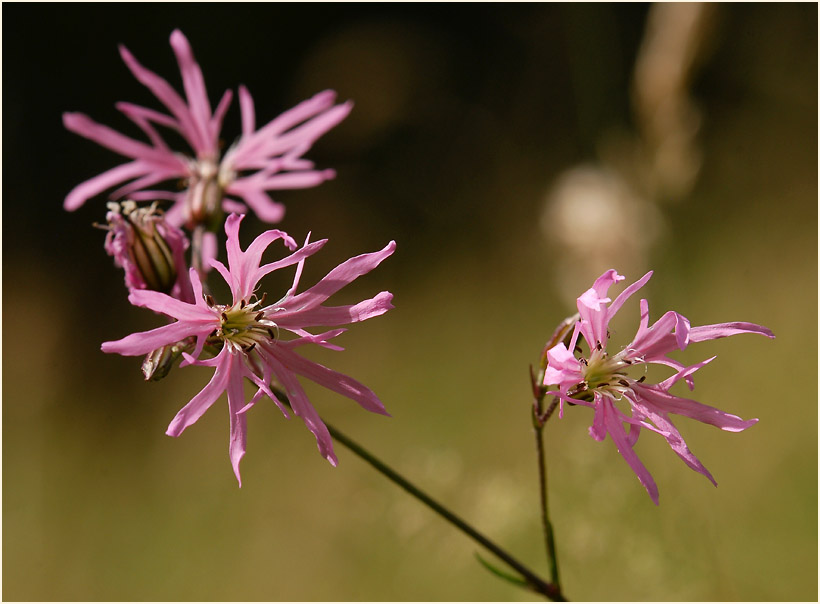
(159, 362)
(150, 250)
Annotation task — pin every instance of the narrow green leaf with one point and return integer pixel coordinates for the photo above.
(504, 575)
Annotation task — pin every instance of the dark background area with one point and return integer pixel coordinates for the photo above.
(466, 117)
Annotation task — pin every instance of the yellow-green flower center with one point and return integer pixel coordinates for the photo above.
(604, 374)
(243, 327)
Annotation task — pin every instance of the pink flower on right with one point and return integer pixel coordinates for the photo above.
(599, 380)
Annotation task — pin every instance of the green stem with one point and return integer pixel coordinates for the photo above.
(536, 583)
(549, 535)
(539, 420)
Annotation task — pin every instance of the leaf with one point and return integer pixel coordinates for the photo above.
(516, 580)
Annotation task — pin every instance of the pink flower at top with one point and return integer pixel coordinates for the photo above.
(246, 335)
(600, 380)
(261, 160)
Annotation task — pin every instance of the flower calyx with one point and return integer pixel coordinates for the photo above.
(204, 193)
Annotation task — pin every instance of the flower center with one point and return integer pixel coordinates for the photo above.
(603, 374)
(242, 326)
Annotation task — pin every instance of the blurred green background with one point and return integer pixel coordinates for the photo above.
(514, 152)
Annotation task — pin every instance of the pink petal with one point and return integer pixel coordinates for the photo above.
(248, 146)
(563, 368)
(239, 422)
(162, 303)
(605, 281)
(138, 344)
(672, 436)
(175, 215)
(575, 401)
(91, 187)
(219, 115)
(111, 139)
(293, 180)
(593, 324)
(262, 390)
(253, 255)
(616, 430)
(156, 195)
(301, 137)
(296, 257)
(703, 333)
(302, 407)
(192, 82)
(169, 97)
(671, 332)
(332, 380)
(669, 403)
(320, 339)
(230, 206)
(141, 116)
(206, 397)
(141, 183)
(136, 112)
(598, 428)
(686, 373)
(298, 274)
(244, 271)
(634, 433)
(247, 110)
(263, 206)
(334, 315)
(340, 276)
(624, 295)
(209, 250)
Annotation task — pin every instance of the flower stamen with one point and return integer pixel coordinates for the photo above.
(241, 325)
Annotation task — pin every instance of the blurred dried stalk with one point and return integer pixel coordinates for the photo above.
(667, 117)
(604, 215)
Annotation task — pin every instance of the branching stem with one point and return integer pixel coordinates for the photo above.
(533, 581)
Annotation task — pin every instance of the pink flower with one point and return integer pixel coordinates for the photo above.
(246, 335)
(262, 160)
(601, 381)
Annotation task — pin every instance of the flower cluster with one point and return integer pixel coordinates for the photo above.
(600, 380)
(243, 339)
(250, 338)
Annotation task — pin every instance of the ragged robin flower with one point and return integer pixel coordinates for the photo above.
(261, 160)
(613, 383)
(246, 336)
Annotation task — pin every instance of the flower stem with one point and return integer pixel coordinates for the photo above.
(537, 584)
(549, 535)
(539, 420)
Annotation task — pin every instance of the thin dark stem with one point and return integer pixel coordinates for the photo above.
(534, 581)
(549, 535)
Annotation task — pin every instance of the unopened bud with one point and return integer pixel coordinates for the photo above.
(159, 362)
(150, 250)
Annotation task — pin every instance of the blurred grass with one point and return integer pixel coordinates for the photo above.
(100, 505)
